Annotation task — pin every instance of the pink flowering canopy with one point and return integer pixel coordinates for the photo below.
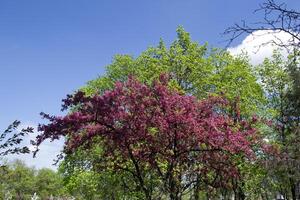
(142, 128)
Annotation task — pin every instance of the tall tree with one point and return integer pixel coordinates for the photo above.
(283, 111)
(281, 84)
(194, 70)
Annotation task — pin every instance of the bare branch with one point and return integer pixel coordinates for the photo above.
(276, 17)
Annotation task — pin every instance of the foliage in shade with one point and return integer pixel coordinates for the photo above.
(10, 144)
(155, 128)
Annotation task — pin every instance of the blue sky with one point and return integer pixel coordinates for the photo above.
(50, 48)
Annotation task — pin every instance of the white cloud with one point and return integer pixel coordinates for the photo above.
(46, 155)
(259, 45)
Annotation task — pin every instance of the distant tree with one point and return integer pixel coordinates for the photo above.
(154, 130)
(48, 182)
(21, 182)
(19, 179)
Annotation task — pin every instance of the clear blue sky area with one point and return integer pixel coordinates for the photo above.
(50, 48)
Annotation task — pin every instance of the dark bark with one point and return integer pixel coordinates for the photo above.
(197, 190)
(241, 194)
(295, 190)
(139, 176)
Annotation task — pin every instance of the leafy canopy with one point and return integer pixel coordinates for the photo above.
(195, 69)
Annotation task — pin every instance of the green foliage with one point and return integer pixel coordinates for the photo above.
(47, 183)
(279, 78)
(276, 83)
(194, 69)
(18, 179)
(22, 182)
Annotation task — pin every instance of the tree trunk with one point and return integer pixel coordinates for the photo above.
(174, 190)
(292, 188)
(174, 196)
(295, 190)
(241, 194)
(197, 190)
(238, 191)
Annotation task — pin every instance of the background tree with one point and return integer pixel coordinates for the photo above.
(21, 182)
(195, 69)
(48, 182)
(281, 84)
(282, 110)
(279, 173)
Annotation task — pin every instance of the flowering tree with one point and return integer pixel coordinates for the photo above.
(153, 129)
